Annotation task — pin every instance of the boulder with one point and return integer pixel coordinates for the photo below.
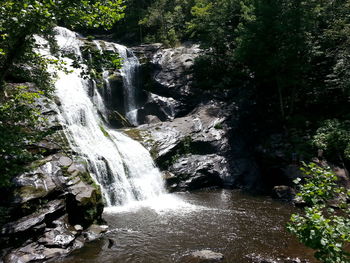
(95, 231)
(200, 139)
(167, 89)
(37, 183)
(162, 107)
(84, 204)
(198, 171)
(283, 192)
(202, 136)
(203, 256)
(55, 195)
(34, 220)
(34, 253)
(172, 75)
(151, 119)
(204, 129)
(146, 52)
(58, 238)
(343, 176)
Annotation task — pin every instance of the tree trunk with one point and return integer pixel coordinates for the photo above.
(280, 96)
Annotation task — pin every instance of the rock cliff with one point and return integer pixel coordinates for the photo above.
(189, 131)
(54, 204)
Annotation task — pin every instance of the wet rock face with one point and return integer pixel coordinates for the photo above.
(173, 71)
(195, 151)
(188, 130)
(204, 130)
(198, 171)
(60, 240)
(53, 195)
(167, 81)
(49, 201)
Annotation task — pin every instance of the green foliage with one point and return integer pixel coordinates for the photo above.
(20, 20)
(20, 62)
(334, 138)
(214, 24)
(103, 130)
(166, 20)
(17, 131)
(98, 61)
(320, 184)
(265, 36)
(321, 227)
(185, 148)
(218, 126)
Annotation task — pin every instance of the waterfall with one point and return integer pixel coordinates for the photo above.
(130, 75)
(123, 167)
(129, 72)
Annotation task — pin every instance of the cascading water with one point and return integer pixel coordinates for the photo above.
(123, 168)
(130, 72)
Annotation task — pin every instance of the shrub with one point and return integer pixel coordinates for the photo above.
(322, 227)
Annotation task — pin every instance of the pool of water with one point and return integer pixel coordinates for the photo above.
(238, 225)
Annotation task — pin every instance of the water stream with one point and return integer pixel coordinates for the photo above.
(123, 168)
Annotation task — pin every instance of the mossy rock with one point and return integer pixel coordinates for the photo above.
(30, 192)
(134, 134)
(115, 77)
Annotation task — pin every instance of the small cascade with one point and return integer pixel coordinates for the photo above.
(130, 71)
(122, 166)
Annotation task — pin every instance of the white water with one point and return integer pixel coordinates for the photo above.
(130, 74)
(123, 168)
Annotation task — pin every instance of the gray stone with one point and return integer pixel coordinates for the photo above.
(65, 161)
(198, 171)
(94, 232)
(201, 127)
(150, 119)
(82, 191)
(34, 253)
(36, 219)
(172, 74)
(283, 192)
(37, 183)
(202, 140)
(203, 256)
(164, 108)
(76, 167)
(78, 228)
(59, 238)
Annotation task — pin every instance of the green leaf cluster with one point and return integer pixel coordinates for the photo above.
(21, 20)
(166, 21)
(334, 138)
(321, 227)
(18, 121)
